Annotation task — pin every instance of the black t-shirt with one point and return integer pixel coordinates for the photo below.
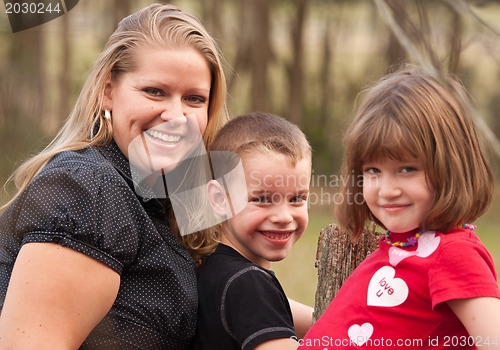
(85, 200)
(241, 304)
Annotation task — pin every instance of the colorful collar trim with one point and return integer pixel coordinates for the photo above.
(412, 241)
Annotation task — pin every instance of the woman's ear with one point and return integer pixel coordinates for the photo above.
(217, 197)
(108, 95)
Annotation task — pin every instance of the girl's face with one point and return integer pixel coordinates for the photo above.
(160, 110)
(397, 193)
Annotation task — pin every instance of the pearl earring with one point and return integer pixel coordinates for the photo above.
(107, 114)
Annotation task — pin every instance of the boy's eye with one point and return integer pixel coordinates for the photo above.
(260, 199)
(153, 92)
(299, 199)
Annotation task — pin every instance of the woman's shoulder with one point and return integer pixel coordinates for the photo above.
(87, 167)
(86, 158)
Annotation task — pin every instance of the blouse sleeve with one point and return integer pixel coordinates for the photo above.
(256, 310)
(463, 269)
(83, 207)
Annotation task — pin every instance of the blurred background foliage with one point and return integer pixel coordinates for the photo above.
(306, 60)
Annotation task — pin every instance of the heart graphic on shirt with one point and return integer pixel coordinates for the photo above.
(360, 334)
(398, 254)
(385, 290)
(427, 244)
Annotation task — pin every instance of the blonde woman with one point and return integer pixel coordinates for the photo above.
(87, 261)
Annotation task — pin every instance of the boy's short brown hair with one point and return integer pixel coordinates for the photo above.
(265, 132)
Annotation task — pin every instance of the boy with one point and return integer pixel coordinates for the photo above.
(241, 303)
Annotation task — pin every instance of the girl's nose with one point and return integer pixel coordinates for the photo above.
(389, 188)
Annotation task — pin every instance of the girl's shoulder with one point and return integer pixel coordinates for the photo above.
(459, 236)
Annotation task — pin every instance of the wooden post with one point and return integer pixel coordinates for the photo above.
(336, 258)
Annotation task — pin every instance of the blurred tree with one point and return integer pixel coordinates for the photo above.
(417, 39)
(212, 11)
(119, 10)
(295, 69)
(260, 53)
(65, 74)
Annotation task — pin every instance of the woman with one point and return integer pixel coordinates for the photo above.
(86, 260)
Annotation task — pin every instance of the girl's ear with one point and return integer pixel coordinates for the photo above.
(217, 198)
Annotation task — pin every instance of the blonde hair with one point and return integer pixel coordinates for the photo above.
(409, 114)
(157, 25)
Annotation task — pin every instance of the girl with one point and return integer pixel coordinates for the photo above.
(431, 283)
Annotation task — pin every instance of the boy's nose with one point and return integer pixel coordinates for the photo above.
(281, 215)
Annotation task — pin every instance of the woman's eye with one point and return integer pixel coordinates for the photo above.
(153, 92)
(196, 99)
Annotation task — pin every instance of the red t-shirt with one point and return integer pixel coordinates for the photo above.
(396, 297)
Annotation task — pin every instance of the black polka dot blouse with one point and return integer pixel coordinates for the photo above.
(85, 200)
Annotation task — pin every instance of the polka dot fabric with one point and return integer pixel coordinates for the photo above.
(85, 200)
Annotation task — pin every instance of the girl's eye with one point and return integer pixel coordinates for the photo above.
(371, 170)
(153, 92)
(408, 169)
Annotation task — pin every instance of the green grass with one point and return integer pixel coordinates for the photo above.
(298, 274)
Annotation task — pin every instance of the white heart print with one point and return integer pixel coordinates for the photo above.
(427, 244)
(360, 334)
(385, 290)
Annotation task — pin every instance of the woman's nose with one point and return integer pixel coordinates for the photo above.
(172, 110)
(173, 114)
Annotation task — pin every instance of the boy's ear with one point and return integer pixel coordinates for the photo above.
(217, 197)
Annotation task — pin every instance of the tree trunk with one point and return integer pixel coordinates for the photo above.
(212, 11)
(296, 69)
(261, 53)
(336, 258)
(65, 75)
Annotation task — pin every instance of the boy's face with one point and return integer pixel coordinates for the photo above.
(275, 215)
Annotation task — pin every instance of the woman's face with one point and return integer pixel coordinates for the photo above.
(160, 110)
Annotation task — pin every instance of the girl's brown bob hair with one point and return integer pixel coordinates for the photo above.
(409, 114)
